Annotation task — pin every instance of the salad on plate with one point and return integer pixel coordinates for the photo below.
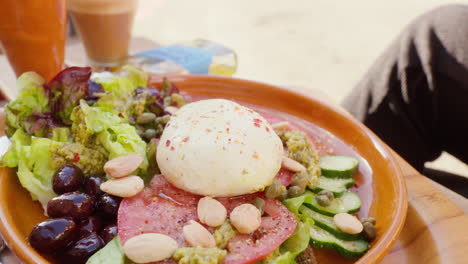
(130, 171)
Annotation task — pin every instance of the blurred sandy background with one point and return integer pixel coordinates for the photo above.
(315, 44)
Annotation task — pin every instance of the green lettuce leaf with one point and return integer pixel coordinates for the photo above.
(35, 170)
(299, 240)
(111, 253)
(19, 138)
(61, 134)
(32, 98)
(124, 83)
(118, 88)
(33, 158)
(293, 204)
(292, 247)
(122, 139)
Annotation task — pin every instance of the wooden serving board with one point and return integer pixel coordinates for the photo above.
(436, 226)
(436, 230)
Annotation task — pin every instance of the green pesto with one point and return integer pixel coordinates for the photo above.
(223, 234)
(91, 160)
(79, 130)
(199, 255)
(301, 150)
(139, 103)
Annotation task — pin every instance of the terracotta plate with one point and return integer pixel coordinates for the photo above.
(387, 202)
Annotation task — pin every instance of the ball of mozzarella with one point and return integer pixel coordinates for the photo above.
(219, 148)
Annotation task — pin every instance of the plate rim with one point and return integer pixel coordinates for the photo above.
(25, 252)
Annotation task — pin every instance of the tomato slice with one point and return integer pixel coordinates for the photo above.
(164, 209)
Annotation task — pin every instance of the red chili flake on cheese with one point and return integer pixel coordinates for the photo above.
(168, 143)
(267, 129)
(257, 122)
(76, 157)
(185, 139)
(172, 148)
(227, 129)
(255, 155)
(214, 111)
(208, 130)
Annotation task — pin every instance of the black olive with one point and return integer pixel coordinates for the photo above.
(69, 178)
(54, 234)
(84, 248)
(92, 186)
(76, 205)
(109, 232)
(91, 224)
(108, 205)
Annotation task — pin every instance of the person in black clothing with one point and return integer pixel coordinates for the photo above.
(415, 96)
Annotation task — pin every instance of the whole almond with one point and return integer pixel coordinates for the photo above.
(246, 218)
(280, 125)
(197, 235)
(348, 223)
(292, 165)
(123, 187)
(149, 247)
(211, 212)
(123, 166)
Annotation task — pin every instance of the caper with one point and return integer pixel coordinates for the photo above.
(323, 200)
(162, 120)
(146, 118)
(260, 204)
(327, 193)
(368, 219)
(140, 130)
(274, 190)
(295, 191)
(369, 231)
(149, 133)
(301, 179)
(283, 195)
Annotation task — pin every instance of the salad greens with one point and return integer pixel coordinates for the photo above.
(32, 98)
(34, 171)
(111, 253)
(77, 118)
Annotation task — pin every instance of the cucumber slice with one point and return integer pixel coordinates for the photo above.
(336, 186)
(349, 202)
(338, 166)
(327, 223)
(351, 249)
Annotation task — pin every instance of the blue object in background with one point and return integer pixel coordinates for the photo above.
(195, 60)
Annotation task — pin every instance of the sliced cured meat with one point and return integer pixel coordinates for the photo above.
(165, 209)
(273, 231)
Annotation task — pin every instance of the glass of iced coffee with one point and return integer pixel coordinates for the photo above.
(32, 34)
(105, 28)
